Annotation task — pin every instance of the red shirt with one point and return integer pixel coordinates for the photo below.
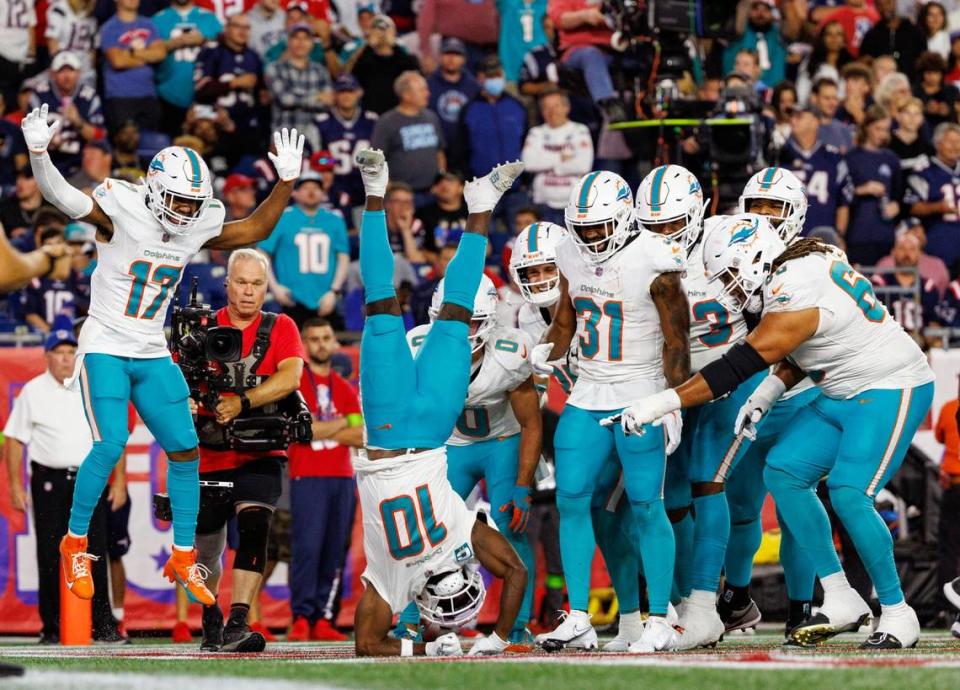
(328, 397)
(284, 343)
(856, 22)
(947, 434)
(583, 35)
(224, 9)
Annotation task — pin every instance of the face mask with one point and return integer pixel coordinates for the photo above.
(494, 85)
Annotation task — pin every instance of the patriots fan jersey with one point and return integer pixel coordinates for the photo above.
(914, 316)
(867, 224)
(67, 144)
(344, 139)
(823, 171)
(220, 64)
(934, 181)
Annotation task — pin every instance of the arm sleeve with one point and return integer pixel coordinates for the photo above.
(57, 190)
(18, 425)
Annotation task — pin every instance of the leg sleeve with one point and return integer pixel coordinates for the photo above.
(376, 257)
(387, 381)
(463, 274)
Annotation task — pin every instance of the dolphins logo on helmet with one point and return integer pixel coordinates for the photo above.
(599, 215)
(778, 184)
(536, 245)
(667, 195)
(739, 253)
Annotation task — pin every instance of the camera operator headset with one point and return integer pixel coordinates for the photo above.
(271, 358)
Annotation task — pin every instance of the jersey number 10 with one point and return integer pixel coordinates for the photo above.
(413, 513)
(143, 272)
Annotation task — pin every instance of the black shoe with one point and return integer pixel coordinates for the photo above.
(881, 640)
(799, 612)
(740, 618)
(613, 110)
(955, 628)
(951, 590)
(49, 638)
(10, 670)
(242, 640)
(818, 628)
(111, 636)
(212, 629)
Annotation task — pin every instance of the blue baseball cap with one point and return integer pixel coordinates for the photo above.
(346, 82)
(453, 45)
(59, 337)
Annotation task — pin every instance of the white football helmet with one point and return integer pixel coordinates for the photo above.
(178, 174)
(739, 253)
(778, 184)
(603, 201)
(452, 598)
(670, 193)
(536, 245)
(484, 318)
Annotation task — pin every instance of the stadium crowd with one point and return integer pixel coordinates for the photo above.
(857, 97)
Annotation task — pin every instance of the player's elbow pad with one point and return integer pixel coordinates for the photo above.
(739, 363)
(57, 190)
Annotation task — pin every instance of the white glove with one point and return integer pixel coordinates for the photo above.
(445, 645)
(374, 171)
(488, 646)
(288, 158)
(36, 132)
(757, 406)
(646, 411)
(673, 423)
(539, 356)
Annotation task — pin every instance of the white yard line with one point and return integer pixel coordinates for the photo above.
(97, 680)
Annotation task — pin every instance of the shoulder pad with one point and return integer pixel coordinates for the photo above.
(664, 253)
(416, 335)
(510, 347)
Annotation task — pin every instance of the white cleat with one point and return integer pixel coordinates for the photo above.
(483, 193)
(951, 590)
(631, 629)
(702, 627)
(842, 611)
(898, 629)
(673, 614)
(574, 632)
(374, 171)
(658, 636)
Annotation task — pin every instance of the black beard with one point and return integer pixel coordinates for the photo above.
(761, 28)
(321, 362)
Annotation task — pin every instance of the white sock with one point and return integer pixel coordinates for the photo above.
(117, 612)
(834, 583)
(182, 548)
(631, 624)
(894, 610)
(702, 599)
(76, 536)
(579, 614)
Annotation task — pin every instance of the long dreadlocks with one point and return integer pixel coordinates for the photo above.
(801, 248)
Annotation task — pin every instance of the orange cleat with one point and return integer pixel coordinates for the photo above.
(299, 631)
(259, 627)
(181, 633)
(324, 630)
(182, 568)
(75, 562)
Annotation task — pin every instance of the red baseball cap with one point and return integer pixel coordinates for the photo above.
(323, 161)
(238, 181)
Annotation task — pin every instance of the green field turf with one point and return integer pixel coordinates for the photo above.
(747, 663)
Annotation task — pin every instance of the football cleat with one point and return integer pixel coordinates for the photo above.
(701, 627)
(898, 629)
(574, 632)
(631, 629)
(951, 590)
(842, 611)
(738, 619)
(75, 562)
(212, 629)
(374, 171)
(955, 628)
(483, 193)
(673, 614)
(182, 568)
(658, 636)
(240, 639)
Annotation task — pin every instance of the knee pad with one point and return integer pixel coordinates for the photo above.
(253, 525)
(210, 550)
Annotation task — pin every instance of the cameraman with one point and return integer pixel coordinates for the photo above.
(272, 350)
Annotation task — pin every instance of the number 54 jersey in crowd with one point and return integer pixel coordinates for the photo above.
(414, 523)
(857, 345)
(138, 272)
(618, 327)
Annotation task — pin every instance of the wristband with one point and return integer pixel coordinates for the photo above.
(244, 403)
(406, 647)
(354, 419)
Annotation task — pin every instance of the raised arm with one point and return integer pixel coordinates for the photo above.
(671, 301)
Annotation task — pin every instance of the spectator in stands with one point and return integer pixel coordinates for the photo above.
(474, 22)
(267, 25)
(18, 47)
(877, 188)
(407, 234)
(322, 502)
(822, 170)
(931, 194)
(212, 134)
(783, 99)
(131, 47)
(931, 267)
(411, 136)
(452, 86)
(13, 154)
(948, 530)
(445, 218)
(298, 87)
(493, 124)
(932, 22)
(910, 313)
(72, 26)
(856, 18)
(907, 142)
(747, 63)
(558, 153)
(336, 198)
(95, 165)
(856, 94)
(521, 30)
(378, 63)
(894, 35)
(882, 66)
(239, 196)
(939, 99)
(127, 163)
(893, 92)
(48, 420)
(540, 71)
(310, 254)
(344, 130)
(43, 299)
(184, 28)
(75, 104)
(758, 30)
(229, 75)
(297, 13)
(824, 97)
(365, 16)
(828, 57)
(18, 210)
(83, 251)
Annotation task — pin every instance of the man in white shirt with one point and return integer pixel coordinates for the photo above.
(558, 152)
(48, 419)
(17, 44)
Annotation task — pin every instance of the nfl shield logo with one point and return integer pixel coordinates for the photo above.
(463, 553)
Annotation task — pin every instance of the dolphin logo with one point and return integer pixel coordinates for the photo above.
(743, 235)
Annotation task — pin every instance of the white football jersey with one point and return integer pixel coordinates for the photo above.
(487, 412)
(713, 329)
(138, 272)
(530, 320)
(857, 345)
(618, 328)
(414, 523)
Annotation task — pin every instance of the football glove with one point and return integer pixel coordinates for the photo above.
(518, 508)
(539, 357)
(287, 159)
(36, 132)
(445, 645)
(649, 410)
(673, 424)
(488, 646)
(758, 404)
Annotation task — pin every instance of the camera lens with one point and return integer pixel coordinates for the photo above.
(224, 344)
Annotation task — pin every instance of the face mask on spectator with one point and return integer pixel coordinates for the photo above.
(494, 85)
